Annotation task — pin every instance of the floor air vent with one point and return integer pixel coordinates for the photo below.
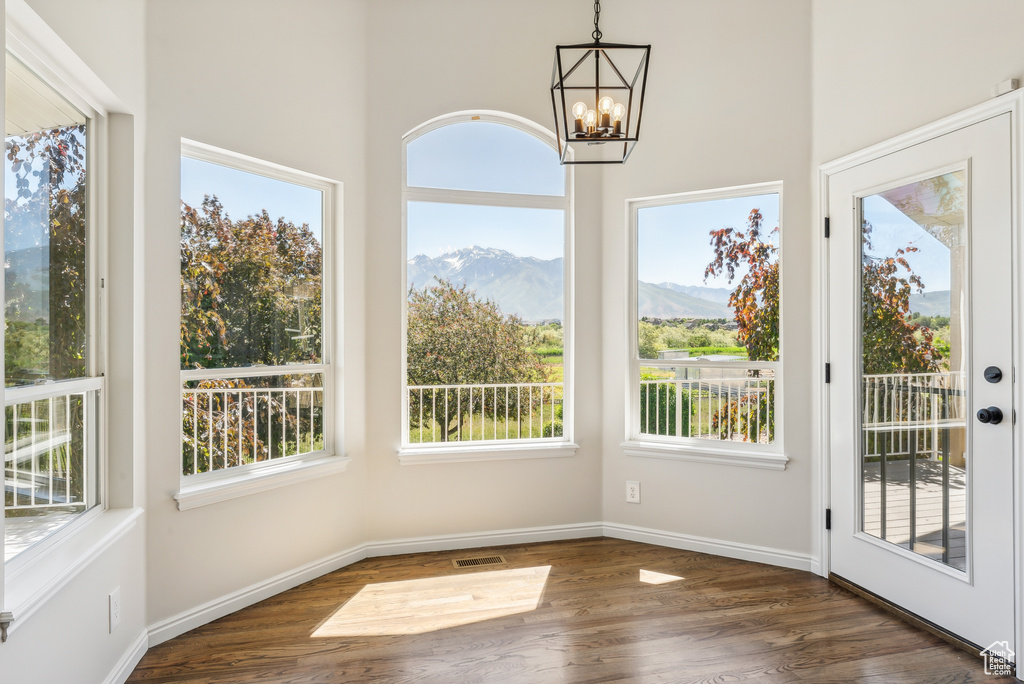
(475, 562)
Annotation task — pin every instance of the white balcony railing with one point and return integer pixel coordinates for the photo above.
(733, 402)
(49, 447)
(491, 412)
(899, 408)
(237, 417)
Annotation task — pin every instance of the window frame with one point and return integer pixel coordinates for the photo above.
(220, 485)
(95, 306)
(29, 580)
(489, 450)
(766, 456)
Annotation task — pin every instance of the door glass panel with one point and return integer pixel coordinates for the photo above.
(913, 367)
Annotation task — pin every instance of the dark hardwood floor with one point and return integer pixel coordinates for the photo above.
(589, 610)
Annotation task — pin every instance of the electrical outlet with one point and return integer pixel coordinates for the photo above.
(632, 491)
(114, 604)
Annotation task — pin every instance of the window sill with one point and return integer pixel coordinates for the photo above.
(229, 486)
(31, 582)
(767, 460)
(481, 452)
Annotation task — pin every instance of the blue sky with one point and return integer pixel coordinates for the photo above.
(892, 230)
(436, 229)
(485, 156)
(672, 240)
(244, 193)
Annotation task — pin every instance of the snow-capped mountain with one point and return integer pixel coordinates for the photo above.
(528, 287)
(531, 288)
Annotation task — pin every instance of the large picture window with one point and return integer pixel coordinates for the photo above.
(254, 367)
(487, 323)
(52, 380)
(706, 349)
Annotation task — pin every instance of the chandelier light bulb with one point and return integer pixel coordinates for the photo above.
(605, 105)
(579, 109)
(618, 111)
(590, 118)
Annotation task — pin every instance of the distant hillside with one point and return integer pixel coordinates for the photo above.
(529, 287)
(659, 301)
(711, 294)
(930, 303)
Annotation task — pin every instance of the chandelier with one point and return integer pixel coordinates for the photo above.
(597, 94)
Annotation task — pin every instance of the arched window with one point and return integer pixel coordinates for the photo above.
(488, 242)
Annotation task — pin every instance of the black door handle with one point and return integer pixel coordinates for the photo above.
(992, 415)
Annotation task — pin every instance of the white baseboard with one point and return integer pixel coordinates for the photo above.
(718, 547)
(218, 608)
(131, 658)
(449, 542)
(212, 610)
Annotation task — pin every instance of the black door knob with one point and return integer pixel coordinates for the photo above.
(992, 414)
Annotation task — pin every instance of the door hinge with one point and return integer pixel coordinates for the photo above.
(826, 227)
(828, 373)
(828, 518)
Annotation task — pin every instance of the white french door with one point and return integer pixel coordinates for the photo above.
(921, 394)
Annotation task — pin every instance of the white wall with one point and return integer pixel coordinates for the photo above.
(284, 82)
(427, 59)
(883, 68)
(729, 103)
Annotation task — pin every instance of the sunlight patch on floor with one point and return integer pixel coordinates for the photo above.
(651, 577)
(433, 603)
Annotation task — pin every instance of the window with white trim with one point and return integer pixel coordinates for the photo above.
(487, 343)
(52, 362)
(706, 363)
(255, 314)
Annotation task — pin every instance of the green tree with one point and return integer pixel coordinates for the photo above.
(454, 338)
(648, 340)
(755, 304)
(250, 289)
(891, 341)
(755, 300)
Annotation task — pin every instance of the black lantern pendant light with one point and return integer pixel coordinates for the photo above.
(597, 93)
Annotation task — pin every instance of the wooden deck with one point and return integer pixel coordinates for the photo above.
(929, 508)
(589, 610)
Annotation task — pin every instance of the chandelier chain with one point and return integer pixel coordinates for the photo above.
(597, 18)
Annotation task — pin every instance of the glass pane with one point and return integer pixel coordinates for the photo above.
(251, 269)
(913, 367)
(708, 277)
(44, 233)
(484, 156)
(708, 291)
(485, 312)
